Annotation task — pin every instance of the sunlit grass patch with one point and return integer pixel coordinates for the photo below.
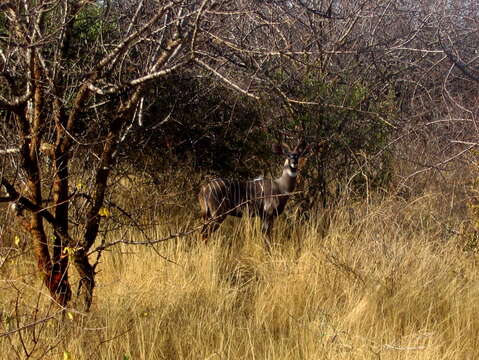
(383, 280)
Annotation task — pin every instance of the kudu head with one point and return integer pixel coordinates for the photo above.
(292, 156)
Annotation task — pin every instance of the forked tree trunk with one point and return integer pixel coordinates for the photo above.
(53, 274)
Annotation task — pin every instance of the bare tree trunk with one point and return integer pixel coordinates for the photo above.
(82, 264)
(53, 273)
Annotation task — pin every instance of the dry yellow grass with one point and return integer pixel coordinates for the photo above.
(387, 281)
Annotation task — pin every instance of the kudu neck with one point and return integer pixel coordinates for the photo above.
(287, 180)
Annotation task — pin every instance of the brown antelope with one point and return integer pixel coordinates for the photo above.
(265, 198)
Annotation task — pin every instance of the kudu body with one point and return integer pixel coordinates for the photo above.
(265, 198)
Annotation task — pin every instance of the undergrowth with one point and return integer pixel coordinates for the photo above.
(388, 279)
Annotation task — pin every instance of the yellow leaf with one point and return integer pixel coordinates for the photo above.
(67, 355)
(17, 240)
(104, 212)
(70, 315)
(69, 251)
(80, 186)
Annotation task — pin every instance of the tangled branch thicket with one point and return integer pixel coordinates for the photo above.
(114, 112)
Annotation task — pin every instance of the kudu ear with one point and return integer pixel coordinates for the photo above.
(281, 149)
(286, 148)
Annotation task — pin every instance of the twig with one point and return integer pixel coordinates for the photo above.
(225, 80)
(187, 232)
(403, 348)
(33, 324)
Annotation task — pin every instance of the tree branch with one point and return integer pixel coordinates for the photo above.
(225, 80)
(14, 196)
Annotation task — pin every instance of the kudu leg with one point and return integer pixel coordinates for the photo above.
(210, 227)
(266, 227)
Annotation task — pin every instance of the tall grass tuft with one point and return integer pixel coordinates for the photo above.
(388, 280)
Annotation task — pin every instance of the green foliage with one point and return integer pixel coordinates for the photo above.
(90, 27)
(3, 23)
(356, 122)
(217, 131)
(88, 24)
